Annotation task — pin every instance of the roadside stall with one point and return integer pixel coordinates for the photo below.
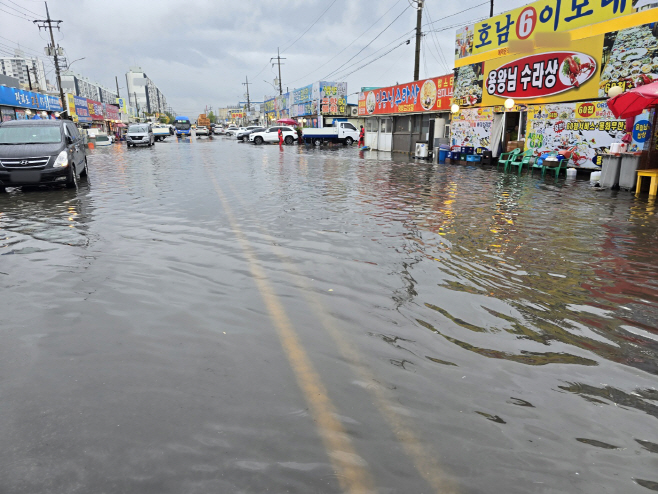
(399, 117)
(538, 77)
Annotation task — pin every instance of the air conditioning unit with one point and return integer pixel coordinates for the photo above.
(354, 111)
(422, 150)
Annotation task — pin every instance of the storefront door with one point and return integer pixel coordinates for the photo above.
(385, 138)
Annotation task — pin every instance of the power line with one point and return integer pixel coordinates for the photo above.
(371, 42)
(457, 13)
(15, 9)
(353, 41)
(28, 10)
(437, 44)
(24, 18)
(307, 29)
(374, 60)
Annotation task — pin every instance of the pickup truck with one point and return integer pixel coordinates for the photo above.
(343, 132)
(161, 132)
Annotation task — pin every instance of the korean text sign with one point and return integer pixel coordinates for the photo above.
(546, 76)
(544, 16)
(419, 96)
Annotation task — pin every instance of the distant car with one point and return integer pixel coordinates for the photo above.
(103, 140)
(231, 131)
(140, 134)
(202, 131)
(41, 152)
(217, 130)
(243, 135)
(272, 135)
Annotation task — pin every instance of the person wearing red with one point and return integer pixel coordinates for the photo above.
(362, 136)
(280, 137)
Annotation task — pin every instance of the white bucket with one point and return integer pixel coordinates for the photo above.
(595, 176)
(615, 148)
(571, 173)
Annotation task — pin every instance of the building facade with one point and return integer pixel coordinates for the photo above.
(18, 67)
(78, 85)
(143, 93)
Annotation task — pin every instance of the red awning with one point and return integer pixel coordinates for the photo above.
(287, 121)
(634, 101)
(121, 125)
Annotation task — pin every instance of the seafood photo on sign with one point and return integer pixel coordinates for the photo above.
(468, 85)
(630, 59)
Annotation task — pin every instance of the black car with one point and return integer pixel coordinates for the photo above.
(41, 152)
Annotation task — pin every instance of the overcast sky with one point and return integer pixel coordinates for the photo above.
(198, 52)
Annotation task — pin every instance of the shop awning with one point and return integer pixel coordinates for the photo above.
(286, 121)
(634, 101)
(121, 125)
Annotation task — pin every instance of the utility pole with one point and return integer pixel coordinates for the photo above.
(278, 60)
(246, 83)
(419, 20)
(491, 9)
(116, 79)
(49, 24)
(29, 79)
(136, 105)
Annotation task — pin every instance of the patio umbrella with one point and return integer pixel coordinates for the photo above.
(36, 117)
(634, 101)
(286, 121)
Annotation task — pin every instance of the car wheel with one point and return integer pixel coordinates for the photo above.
(317, 142)
(349, 141)
(245, 138)
(258, 140)
(72, 179)
(85, 170)
(289, 140)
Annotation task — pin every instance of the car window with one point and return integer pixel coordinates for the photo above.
(349, 126)
(286, 129)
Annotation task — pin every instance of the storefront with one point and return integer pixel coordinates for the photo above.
(303, 108)
(541, 73)
(112, 117)
(18, 104)
(95, 109)
(397, 117)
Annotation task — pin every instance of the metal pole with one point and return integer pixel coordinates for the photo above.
(491, 9)
(419, 20)
(29, 79)
(59, 77)
(117, 81)
(278, 60)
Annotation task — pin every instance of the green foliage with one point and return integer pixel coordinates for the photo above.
(212, 117)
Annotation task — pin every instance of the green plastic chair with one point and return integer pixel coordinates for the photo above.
(539, 162)
(562, 164)
(505, 158)
(525, 158)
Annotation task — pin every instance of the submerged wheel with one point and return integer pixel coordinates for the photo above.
(72, 179)
(317, 142)
(258, 140)
(289, 140)
(349, 141)
(85, 170)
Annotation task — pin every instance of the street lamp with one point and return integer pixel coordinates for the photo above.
(509, 103)
(76, 60)
(454, 108)
(28, 112)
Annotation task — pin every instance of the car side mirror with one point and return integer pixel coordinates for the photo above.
(69, 140)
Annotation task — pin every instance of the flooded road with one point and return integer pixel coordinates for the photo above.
(218, 317)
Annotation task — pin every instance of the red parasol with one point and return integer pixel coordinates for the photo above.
(287, 121)
(634, 101)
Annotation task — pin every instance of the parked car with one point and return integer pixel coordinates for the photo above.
(41, 152)
(343, 132)
(103, 140)
(202, 131)
(272, 135)
(243, 135)
(140, 134)
(218, 130)
(231, 131)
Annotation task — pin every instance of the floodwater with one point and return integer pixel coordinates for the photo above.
(218, 317)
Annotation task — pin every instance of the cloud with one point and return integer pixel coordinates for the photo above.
(198, 52)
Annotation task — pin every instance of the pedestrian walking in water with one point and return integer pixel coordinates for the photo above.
(362, 136)
(280, 137)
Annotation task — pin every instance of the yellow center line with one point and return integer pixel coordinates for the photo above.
(350, 468)
(423, 459)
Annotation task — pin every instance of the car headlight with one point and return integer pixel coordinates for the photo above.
(62, 160)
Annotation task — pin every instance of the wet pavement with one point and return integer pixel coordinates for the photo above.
(212, 316)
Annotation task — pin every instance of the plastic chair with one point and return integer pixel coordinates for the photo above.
(562, 163)
(539, 162)
(526, 156)
(505, 158)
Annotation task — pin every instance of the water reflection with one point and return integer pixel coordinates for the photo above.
(33, 219)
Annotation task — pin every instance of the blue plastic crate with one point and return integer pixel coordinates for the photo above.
(474, 157)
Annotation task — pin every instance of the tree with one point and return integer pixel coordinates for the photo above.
(212, 117)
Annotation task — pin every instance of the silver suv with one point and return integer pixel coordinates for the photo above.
(140, 134)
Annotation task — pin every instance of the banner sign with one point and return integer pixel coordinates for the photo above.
(631, 58)
(81, 109)
(542, 16)
(12, 96)
(472, 127)
(95, 109)
(427, 95)
(544, 77)
(333, 98)
(302, 95)
(111, 112)
(587, 127)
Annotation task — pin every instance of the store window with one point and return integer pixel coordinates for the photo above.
(425, 126)
(371, 125)
(416, 123)
(402, 124)
(7, 114)
(386, 125)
